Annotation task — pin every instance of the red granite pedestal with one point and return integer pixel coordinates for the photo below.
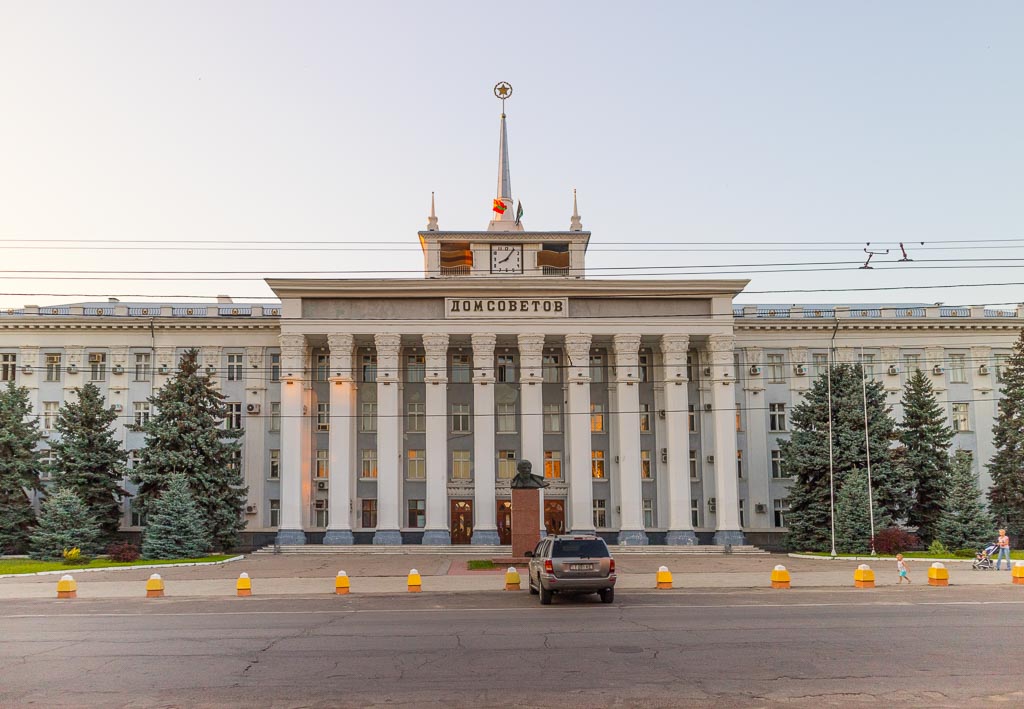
(525, 521)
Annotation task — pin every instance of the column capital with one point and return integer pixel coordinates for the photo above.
(530, 344)
(436, 343)
(753, 356)
(626, 343)
(387, 343)
(341, 345)
(484, 342)
(483, 357)
(675, 344)
(577, 344)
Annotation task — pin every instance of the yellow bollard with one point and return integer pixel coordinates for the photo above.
(780, 577)
(67, 587)
(863, 577)
(414, 582)
(341, 586)
(1018, 573)
(512, 581)
(938, 575)
(155, 587)
(244, 585)
(664, 578)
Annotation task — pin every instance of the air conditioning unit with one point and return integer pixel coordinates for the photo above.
(983, 369)
(211, 370)
(164, 369)
(321, 484)
(893, 370)
(938, 370)
(707, 371)
(760, 508)
(664, 455)
(755, 371)
(661, 413)
(711, 459)
(707, 407)
(253, 409)
(800, 370)
(72, 369)
(250, 509)
(27, 369)
(117, 407)
(44, 434)
(117, 369)
(320, 505)
(711, 505)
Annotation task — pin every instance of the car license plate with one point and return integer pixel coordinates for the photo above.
(581, 567)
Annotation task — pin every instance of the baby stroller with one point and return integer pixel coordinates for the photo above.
(983, 560)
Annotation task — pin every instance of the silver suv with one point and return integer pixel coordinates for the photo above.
(572, 563)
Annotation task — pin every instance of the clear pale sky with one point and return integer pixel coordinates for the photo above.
(829, 124)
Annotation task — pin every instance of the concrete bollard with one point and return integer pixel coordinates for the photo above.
(938, 574)
(664, 578)
(155, 587)
(341, 584)
(414, 581)
(512, 580)
(67, 587)
(1018, 573)
(780, 577)
(863, 577)
(244, 585)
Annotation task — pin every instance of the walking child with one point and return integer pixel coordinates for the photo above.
(901, 568)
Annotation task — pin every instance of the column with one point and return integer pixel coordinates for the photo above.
(485, 528)
(531, 407)
(627, 394)
(984, 392)
(723, 404)
(436, 347)
(293, 360)
(581, 481)
(756, 456)
(340, 439)
(254, 449)
(73, 374)
(388, 451)
(677, 440)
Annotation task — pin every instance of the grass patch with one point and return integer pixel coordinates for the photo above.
(907, 554)
(31, 566)
(480, 565)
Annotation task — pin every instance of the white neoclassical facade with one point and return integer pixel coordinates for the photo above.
(395, 411)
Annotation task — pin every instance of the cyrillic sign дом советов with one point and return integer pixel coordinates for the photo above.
(506, 307)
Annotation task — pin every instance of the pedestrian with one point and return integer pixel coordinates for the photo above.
(1004, 549)
(901, 568)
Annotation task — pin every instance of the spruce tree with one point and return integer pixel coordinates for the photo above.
(174, 525)
(1006, 496)
(19, 467)
(965, 523)
(926, 436)
(853, 516)
(64, 523)
(185, 435)
(89, 460)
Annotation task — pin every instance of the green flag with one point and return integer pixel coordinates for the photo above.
(519, 212)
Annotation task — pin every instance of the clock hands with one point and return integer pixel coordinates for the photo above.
(507, 257)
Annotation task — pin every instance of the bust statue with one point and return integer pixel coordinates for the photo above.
(525, 480)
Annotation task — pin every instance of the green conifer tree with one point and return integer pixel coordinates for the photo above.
(88, 459)
(1006, 496)
(185, 435)
(64, 523)
(19, 468)
(926, 436)
(853, 515)
(174, 525)
(965, 523)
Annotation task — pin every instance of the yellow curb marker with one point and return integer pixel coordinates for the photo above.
(664, 578)
(155, 587)
(1018, 573)
(414, 581)
(780, 577)
(244, 585)
(512, 580)
(864, 577)
(341, 584)
(938, 574)
(67, 587)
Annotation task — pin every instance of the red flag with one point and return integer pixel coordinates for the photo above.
(499, 207)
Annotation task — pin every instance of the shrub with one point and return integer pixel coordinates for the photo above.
(894, 540)
(74, 557)
(123, 551)
(964, 553)
(938, 548)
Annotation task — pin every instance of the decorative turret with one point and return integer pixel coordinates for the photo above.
(575, 224)
(503, 207)
(432, 219)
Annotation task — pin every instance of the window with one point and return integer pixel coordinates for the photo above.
(275, 463)
(506, 464)
(97, 366)
(50, 409)
(369, 514)
(45, 464)
(235, 367)
(645, 418)
(694, 512)
(461, 465)
(275, 513)
(961, 417)
(322, 463)
(142, 362)
(460, 418)
(689, 367)
(233, 420)
(415, 368)
(644, 367)
(235, 461)
(553, 464)
(323, 367)
(323, 416)
(648, 507)
(596, 368)
(368, 468)
(776, 417)
(645, 465)
(692, 418)
(275, 415)
(9, 366)
(417, 514)
(370, 375)
(694, 470)
(416, 417)
(506, 371)
(462, 370)
(320, 514)
(911, 363)
(867, 363)
(597, 464)
(775, 374)
(739, 464)
(275, 367)
(142, 411)
(819, 361)
(1001, 363)
(368, 417)
(551, 369)
(739, 418)
(53, 367)
(552, 418)
(138, 518)
(777, 471)
(743, 516)
(506, 418)
(417, 467)
(600, 514)
(134, 456)
(597, 418)
(957, 369)
(780, 508)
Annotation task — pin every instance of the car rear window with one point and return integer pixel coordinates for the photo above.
(582, 548)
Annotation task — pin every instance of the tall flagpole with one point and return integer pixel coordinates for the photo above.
(867, 446)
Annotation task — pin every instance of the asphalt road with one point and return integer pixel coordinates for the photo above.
(887, 647)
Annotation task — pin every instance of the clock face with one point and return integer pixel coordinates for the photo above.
(506, 258)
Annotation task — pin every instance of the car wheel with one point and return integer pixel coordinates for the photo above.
(545, 596)
(529, 585)
(607, 595)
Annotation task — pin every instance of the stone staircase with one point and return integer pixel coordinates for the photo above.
(484, 551)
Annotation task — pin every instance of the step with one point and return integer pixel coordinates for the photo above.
(491, 550)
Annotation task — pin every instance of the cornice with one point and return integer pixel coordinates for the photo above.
(983, 324)
(107, 323)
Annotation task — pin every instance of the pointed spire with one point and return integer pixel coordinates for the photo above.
(504, 221)
(432, 220)
(575, 224)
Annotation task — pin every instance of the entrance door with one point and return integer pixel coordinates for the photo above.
(462, 521)
(554, 516)
(504, 521)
